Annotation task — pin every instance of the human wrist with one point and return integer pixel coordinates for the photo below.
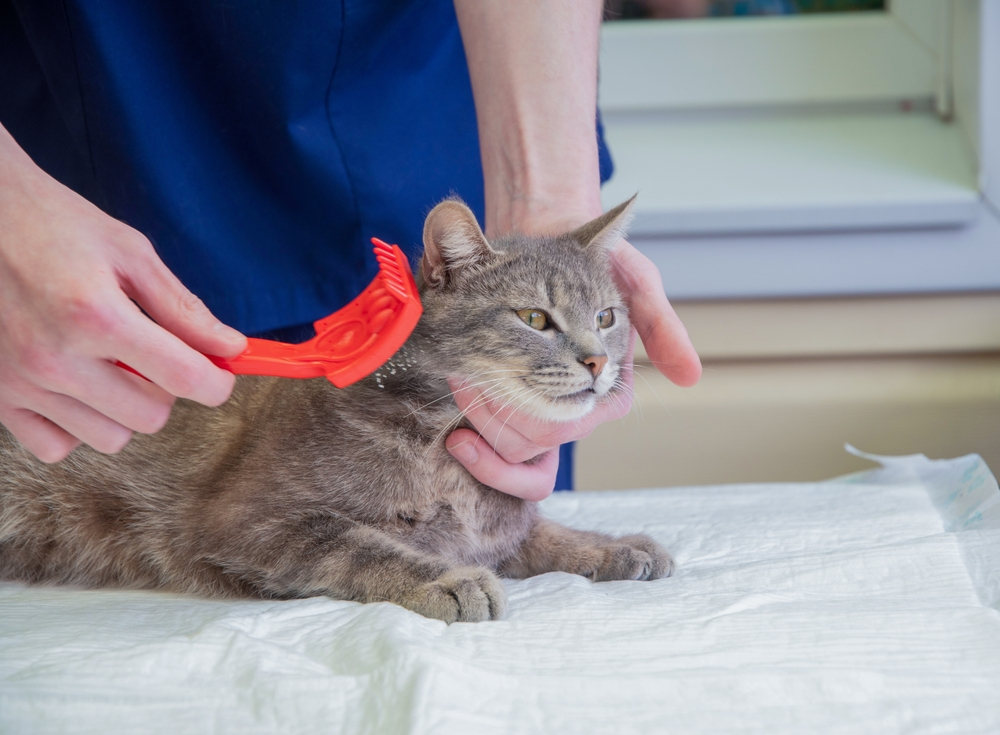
(22, 182)
(541, 214)
(537, 182)
(13, 159)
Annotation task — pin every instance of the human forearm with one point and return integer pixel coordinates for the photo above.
(533, 65)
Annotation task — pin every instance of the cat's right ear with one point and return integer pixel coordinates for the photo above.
(452, 240)
(600, 234)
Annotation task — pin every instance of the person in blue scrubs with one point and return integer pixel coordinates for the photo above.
(246, 153)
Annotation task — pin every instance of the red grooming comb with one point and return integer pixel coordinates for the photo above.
(350, 343)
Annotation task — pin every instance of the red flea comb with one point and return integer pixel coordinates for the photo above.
(350, 343)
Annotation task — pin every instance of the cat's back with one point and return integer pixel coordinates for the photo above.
(92, 518)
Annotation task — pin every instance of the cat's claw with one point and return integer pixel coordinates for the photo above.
(463, 595)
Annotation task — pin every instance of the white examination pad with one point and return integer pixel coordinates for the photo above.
(861, 605)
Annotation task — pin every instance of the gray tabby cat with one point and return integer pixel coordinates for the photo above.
(295, 488)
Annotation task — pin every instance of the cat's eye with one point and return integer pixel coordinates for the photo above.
(606, 318)
(534, 318)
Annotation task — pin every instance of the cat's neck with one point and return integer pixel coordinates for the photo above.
(414, 370)
(401, 367)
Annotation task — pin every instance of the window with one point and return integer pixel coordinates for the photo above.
(812, 122)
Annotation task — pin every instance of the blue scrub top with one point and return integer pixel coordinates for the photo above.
(259, 145)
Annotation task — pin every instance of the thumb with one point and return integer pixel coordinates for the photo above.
(662, 333)
(171, 305)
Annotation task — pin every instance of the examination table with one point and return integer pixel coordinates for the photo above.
(866, 604)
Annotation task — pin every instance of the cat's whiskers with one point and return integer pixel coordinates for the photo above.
(532, 394)
(451, 394)
(464, 385)
(450, 426)
(657, 362)
(481, 401)
(493, 397)
(705, 369)
(504, 426)
(655, 392)
(619, 387)
(653, 388)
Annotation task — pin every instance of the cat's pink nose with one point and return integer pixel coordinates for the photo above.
(596, 363)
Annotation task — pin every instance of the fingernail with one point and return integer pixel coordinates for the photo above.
(464, 452)
(228, 333)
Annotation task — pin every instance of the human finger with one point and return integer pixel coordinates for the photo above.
(82, 422)
(528, 480)
(124, 398)
(168, 362)
(38, 435)
(147, 281)
(505, 429)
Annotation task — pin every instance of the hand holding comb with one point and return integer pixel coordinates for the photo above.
(352, 342)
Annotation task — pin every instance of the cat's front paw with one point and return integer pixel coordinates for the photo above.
(466, 595)
(633, 557)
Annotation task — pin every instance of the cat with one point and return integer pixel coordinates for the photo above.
(294, 488)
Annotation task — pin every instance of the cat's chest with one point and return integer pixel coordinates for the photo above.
(442, 507)
(405, 481)
(468, 523)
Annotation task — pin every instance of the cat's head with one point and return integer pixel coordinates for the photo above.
(535, 322)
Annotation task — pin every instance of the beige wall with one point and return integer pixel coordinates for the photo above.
(787, 383)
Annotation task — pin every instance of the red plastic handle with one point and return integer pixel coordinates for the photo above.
(352, 342)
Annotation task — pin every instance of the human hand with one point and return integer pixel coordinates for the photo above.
(72, 281)
(519, 455)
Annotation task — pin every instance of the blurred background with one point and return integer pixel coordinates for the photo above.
(818, 185)
(633, 9)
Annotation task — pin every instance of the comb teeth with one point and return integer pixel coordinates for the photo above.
(388, 261)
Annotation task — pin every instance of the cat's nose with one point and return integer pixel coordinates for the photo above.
(596, 363)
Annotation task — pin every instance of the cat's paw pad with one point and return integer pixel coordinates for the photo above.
(634, 557)
(465, 595)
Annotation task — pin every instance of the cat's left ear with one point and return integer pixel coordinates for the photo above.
(601, 233)
(452, 240)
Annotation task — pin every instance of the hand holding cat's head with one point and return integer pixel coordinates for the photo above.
(536, 322)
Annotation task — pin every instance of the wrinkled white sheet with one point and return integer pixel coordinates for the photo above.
(864, 605)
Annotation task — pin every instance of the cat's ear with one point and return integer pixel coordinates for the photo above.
(452, 241)
(601, 233)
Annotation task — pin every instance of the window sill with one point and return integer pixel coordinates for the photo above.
(741, 172)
